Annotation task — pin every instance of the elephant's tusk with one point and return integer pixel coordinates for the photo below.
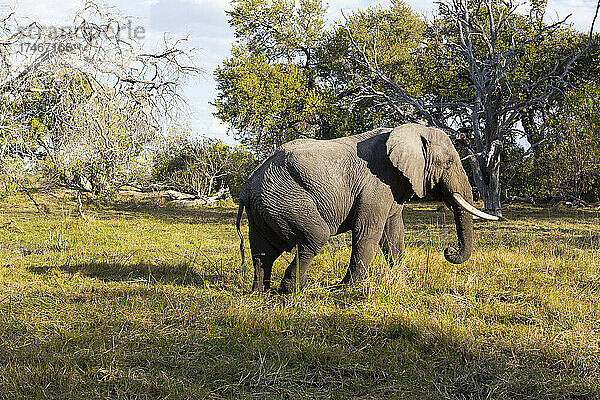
(478, 213)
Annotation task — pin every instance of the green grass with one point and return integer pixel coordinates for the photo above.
(145, 302)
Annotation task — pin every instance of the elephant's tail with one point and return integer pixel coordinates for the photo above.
(237, 225)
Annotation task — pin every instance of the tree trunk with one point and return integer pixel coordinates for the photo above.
(491, 197)
(210, 184)
(484, 159)
(486, 176)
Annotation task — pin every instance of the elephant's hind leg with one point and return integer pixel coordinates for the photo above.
(264, 255)
(314, 238)
(295, 274)
(263, 265)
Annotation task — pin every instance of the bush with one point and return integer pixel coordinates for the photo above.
(199, 165)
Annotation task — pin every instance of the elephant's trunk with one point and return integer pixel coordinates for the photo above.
(457, 194)
(464, 230)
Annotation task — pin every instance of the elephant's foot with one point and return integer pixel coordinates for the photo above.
(290, 286)
(348, 282)
(256, 288)
(263, 290)
(353, 276)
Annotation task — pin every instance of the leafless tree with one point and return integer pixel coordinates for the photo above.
(484, 41)
(86, 96)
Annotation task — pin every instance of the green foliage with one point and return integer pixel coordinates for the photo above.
(75, 132)
(570, 162)
(392, 39)
(28, 122)
(279, 29)
(82, 117)
(289, 77)
(586, 69)
(268, 104)
(14, 175)
(241, 165)
(567, 165)
(268, 93)
(97, 144)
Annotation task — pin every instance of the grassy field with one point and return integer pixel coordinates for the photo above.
(147, 302)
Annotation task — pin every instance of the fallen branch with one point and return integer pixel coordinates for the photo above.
(26, 191)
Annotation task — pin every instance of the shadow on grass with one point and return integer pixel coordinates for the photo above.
(170, 214)
(216, 348)
(182, 273)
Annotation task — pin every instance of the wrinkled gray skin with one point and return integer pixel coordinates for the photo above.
(309, 190)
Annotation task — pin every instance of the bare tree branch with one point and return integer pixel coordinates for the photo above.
(88, 91)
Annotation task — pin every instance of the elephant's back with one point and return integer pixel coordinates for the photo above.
(306, 179)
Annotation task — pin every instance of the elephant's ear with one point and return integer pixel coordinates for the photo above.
(418, 152)
(406, 150)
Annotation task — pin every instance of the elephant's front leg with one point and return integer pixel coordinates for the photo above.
(392, 240)
(365, 238)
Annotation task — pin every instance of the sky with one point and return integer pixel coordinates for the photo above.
(205, 22)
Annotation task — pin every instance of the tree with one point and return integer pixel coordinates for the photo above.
(287, 77)
(241, 164)
(568, 165)
(269, 91)
(490, 76)
(85, 98)
(266, 104)
(99, 141)
(492, 68)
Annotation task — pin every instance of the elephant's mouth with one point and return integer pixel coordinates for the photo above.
(455, 201)
(436, 195)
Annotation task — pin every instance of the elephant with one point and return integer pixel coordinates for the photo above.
(309, 190)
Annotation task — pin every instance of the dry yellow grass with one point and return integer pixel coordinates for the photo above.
(140, 301)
